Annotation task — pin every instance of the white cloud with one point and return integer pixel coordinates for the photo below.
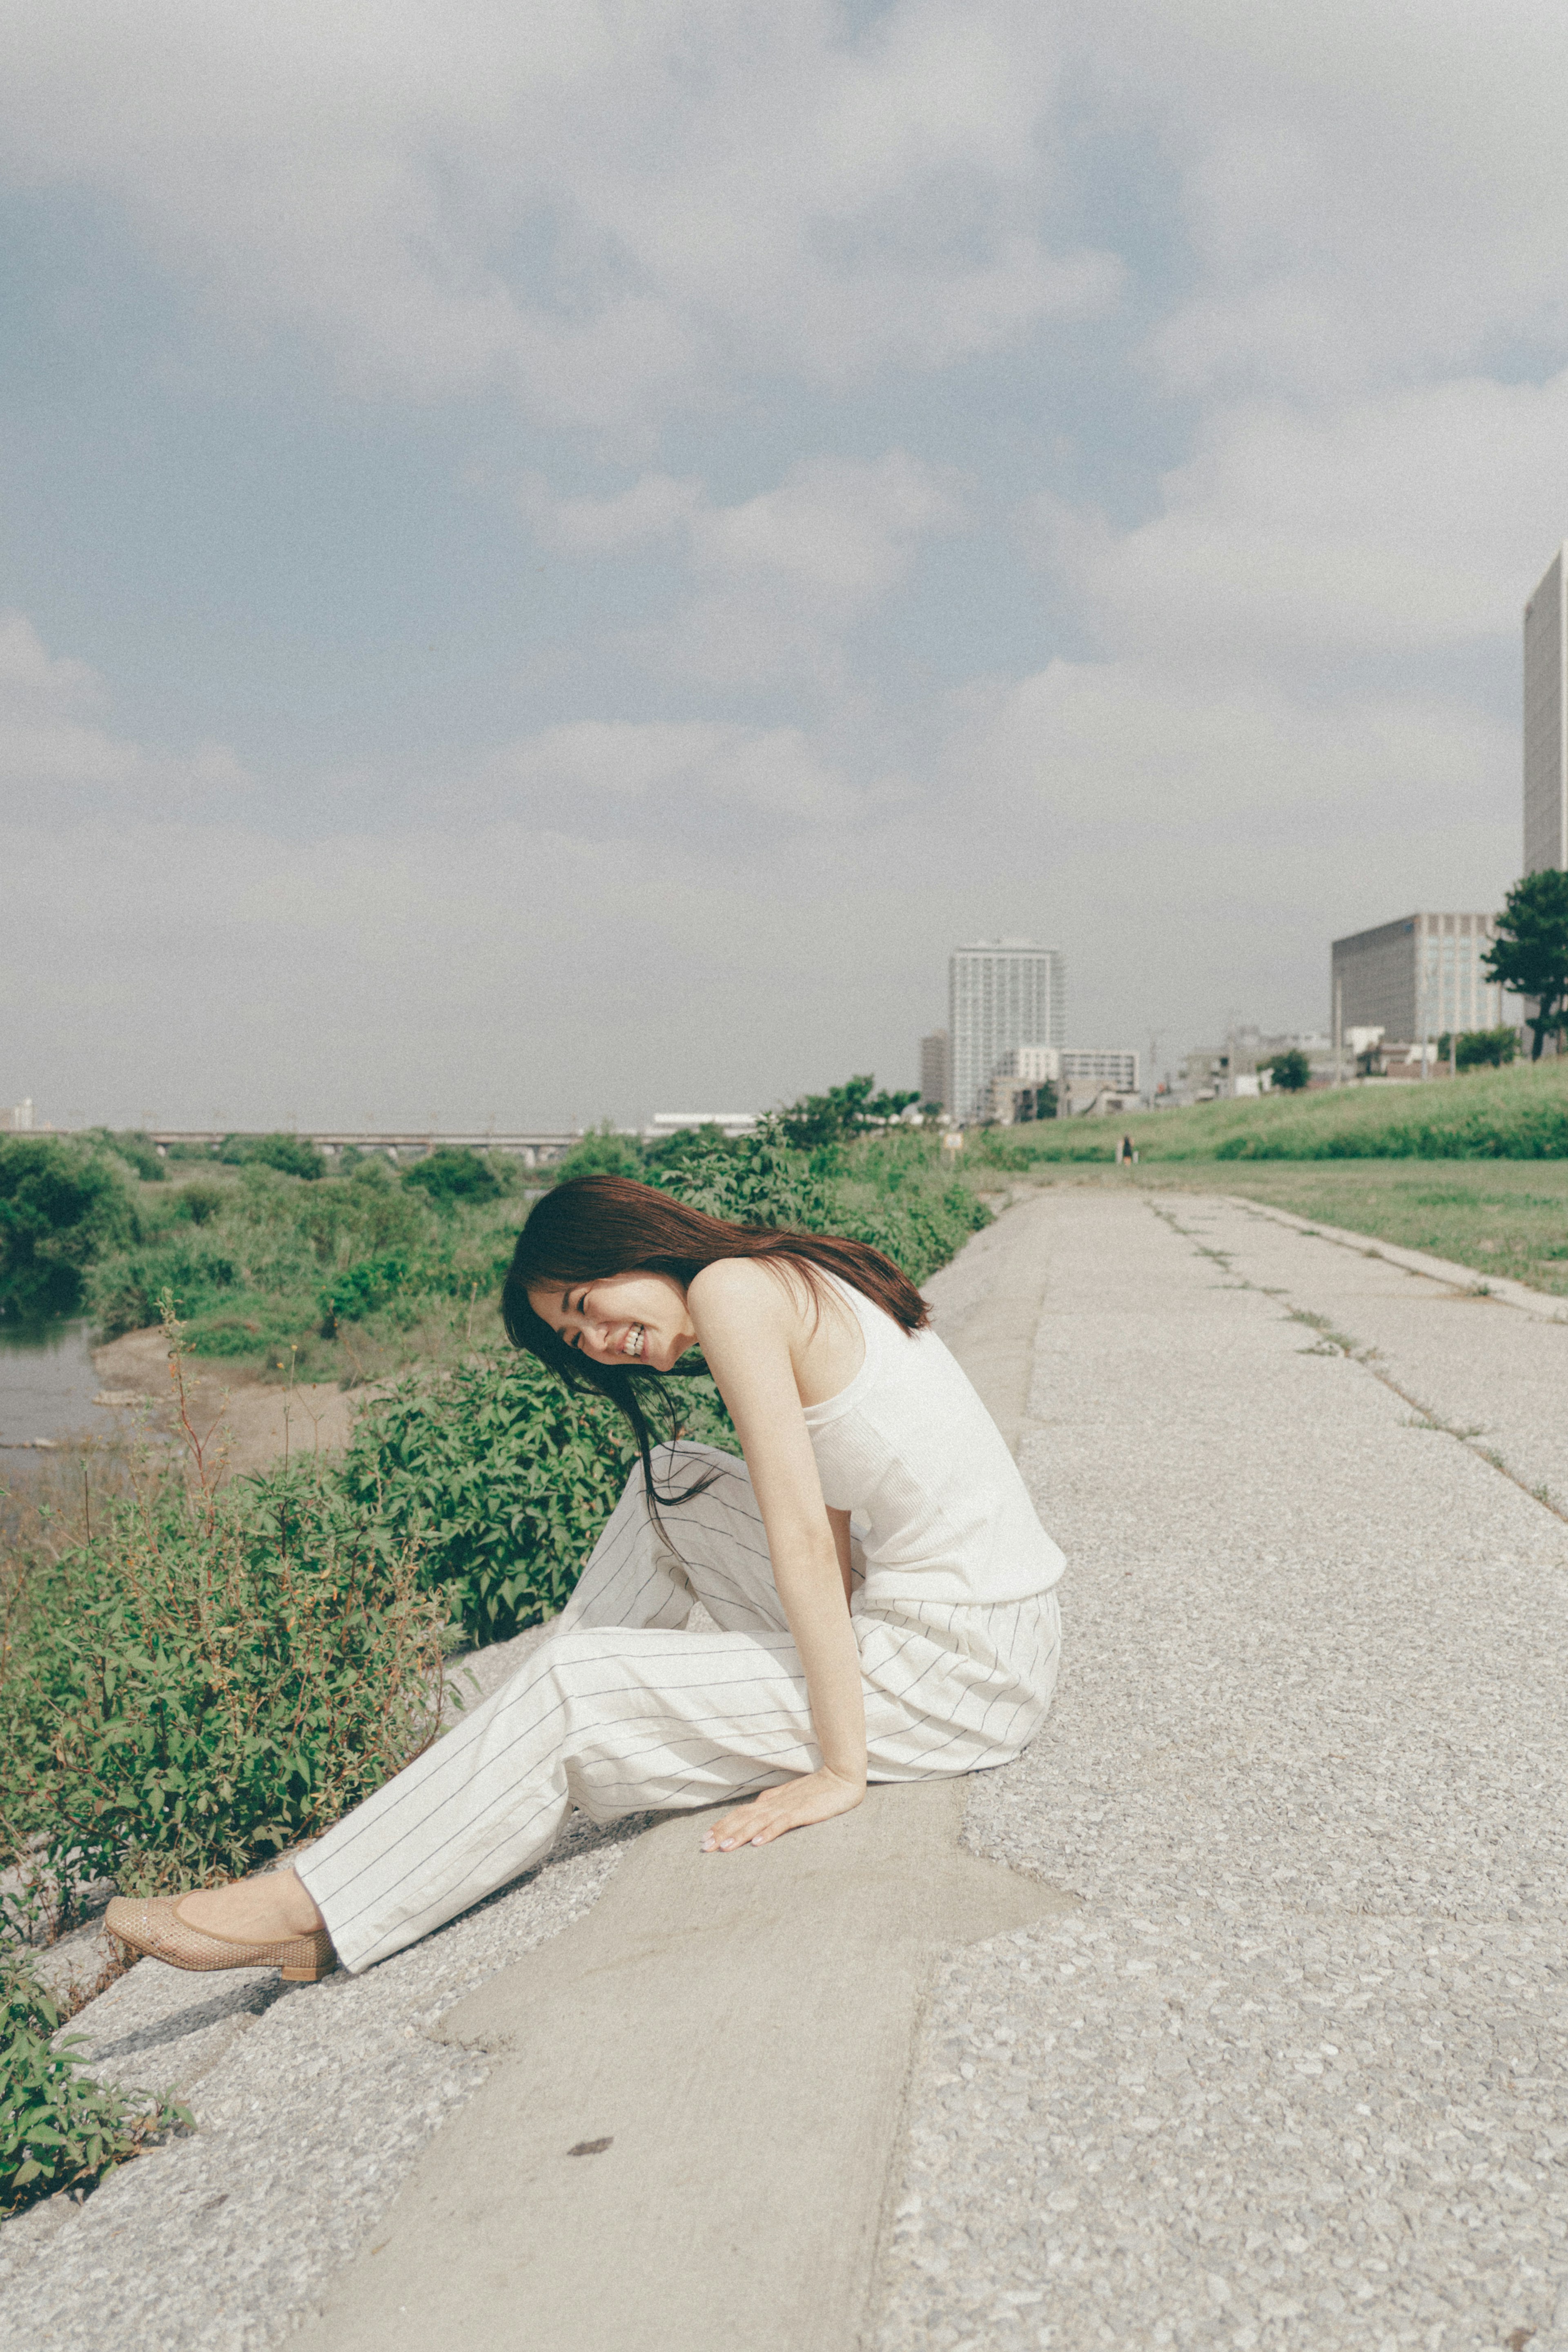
(580, 776)
(777, 579)
(50, 750)
(652, 508)
(1415, 520)
(1368, 191)
(605, 210)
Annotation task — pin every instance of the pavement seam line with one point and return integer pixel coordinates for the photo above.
(1464, 1278)
(1340, 1343)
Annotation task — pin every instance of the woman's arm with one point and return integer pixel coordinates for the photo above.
(745, 1319)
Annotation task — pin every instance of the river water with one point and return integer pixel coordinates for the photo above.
(46, 1387)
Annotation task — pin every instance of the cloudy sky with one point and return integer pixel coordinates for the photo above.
(556, 558)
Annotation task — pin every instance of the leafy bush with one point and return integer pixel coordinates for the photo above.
(58, 2129)
(198, 1267)
(1292, 1072)
(208, 1680)
(360, 1289)
(291, 1155)
(60, 1206)
(600, 1152)
(449, 1174)
(135, 1147)
(269, 1271)
(198, 1203)
(889, 1190)
(501, 1481)
(1479, 1049)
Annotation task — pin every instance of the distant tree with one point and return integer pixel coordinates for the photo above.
(843, 1111)
(59, 1207)
(291, 1155)
(1291, 1070)
(1480, 1049)
(600, 1152)
(1530, 954)
(135, 1148)
(686, 1146)
(452, 1173)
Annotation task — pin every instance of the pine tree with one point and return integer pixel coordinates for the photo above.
(1531, 951)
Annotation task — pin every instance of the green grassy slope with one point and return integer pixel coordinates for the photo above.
(1516, 1114)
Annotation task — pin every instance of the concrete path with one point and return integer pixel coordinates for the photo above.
(1294, 2075)
(1288, 2074)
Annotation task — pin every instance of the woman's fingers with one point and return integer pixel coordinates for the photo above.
(794, 1805)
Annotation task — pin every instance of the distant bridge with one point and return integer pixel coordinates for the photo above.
(530, 1148)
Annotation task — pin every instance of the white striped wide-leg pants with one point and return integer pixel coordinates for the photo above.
(623, 1710)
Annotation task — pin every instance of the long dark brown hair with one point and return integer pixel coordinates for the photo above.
(593, 1226)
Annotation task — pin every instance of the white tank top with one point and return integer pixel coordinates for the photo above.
(909, 1449)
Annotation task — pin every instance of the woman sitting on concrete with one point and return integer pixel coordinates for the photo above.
(879, 1585)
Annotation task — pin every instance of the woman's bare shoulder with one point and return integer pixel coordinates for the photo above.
(740, 1286)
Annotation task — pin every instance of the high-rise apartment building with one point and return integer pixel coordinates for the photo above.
(1417, 978)
(1546, 721)
(1000, 993)
(934, 1068)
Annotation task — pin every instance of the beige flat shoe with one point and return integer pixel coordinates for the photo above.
(155, 1929)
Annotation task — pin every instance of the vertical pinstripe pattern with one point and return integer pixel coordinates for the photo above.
(623, 1710)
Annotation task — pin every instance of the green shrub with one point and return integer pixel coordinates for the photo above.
(291, 1155)
(1292, 1072)
(452, 1173)
(889, 1190)
(58, 2129)
(501, 1481)
(209, 1679)
(135, 1147)
(199, 1268)
(60, 1206)
(198, 1203)
(360, 1289)
(600, 1152)
(1480, 1049)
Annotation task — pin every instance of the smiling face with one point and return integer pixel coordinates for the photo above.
(620, 1319)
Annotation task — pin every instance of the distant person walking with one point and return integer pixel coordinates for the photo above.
(880, 1589)
(1125, 1152)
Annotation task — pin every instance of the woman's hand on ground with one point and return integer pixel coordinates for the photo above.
(794, 1805)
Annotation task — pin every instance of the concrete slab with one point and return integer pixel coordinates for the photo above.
(684, 2144)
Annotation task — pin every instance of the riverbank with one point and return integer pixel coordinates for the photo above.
(244, 1424)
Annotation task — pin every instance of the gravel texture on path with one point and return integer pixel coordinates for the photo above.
(1295, 2075)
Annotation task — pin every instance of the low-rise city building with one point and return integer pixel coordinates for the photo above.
(1081, 1079)
(1418, 977)
(671, 1122)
